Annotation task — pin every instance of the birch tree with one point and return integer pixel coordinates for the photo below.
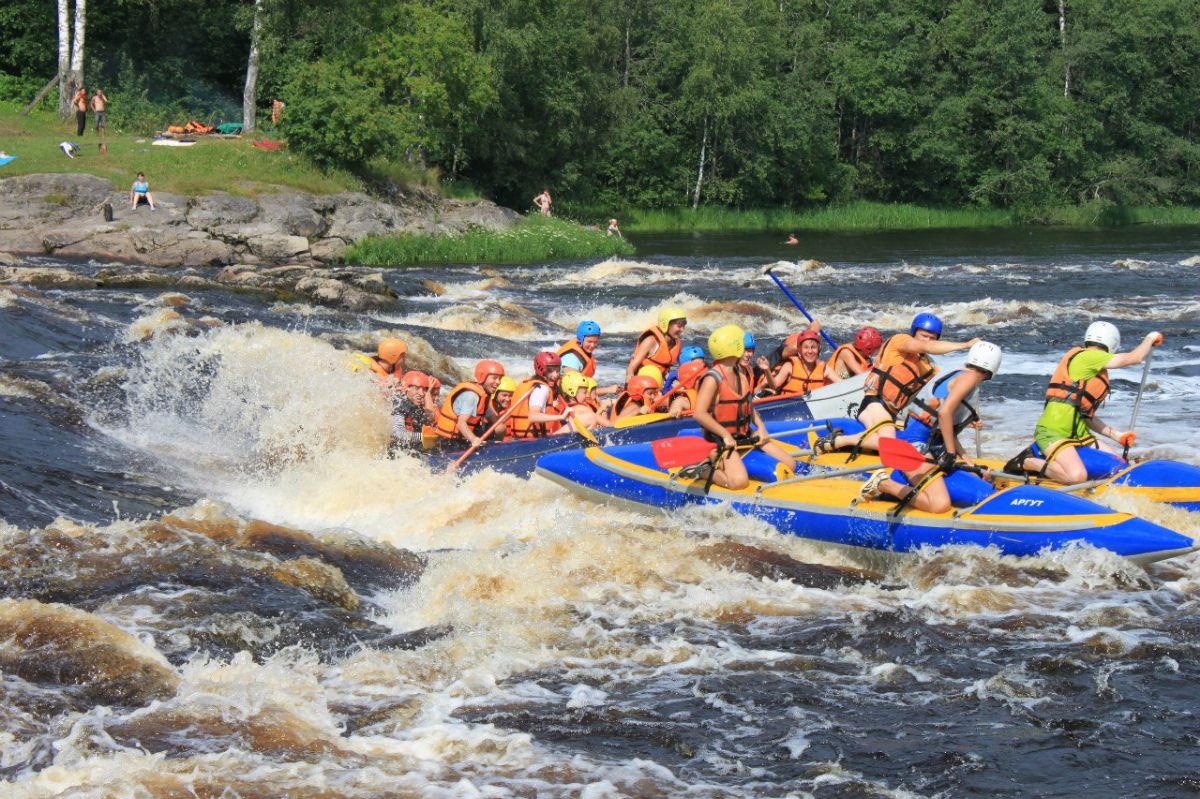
(250, 92)
(64, 56)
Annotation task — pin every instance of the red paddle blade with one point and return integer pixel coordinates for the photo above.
(897, 454)
(670, 453)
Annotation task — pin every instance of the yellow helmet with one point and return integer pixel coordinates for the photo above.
(726, 342)
(507, 384)
(668, 315)
(573, 382)
(392, 350)
(650, 370)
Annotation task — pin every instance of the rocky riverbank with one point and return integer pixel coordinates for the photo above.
(63, 215)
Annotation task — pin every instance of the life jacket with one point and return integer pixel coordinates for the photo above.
(371, 363)
(622, 402)
(493, 415)
(896, 378)
(858, 358)
(732, 407)
(925, 406)
(446, 424)
(666, 354)
(414, 416)
(667, 400)
(801, 380)
(519, 423)
(1085, 395)
(573, 348)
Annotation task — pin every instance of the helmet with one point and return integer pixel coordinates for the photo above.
(807, 335)
(926, 321)
(415, 378)
(727, 341)
(984, 355)
(1105, 334)
(573, 382)
(545, 361)
(668, 315)
(485, 368)
(690, 353)
(640, 384)
(435, 386)
(586, 328)
(748, 341)
(690, 372)
(506, 384)
(867, 341)
(392, 350)
(650, 370)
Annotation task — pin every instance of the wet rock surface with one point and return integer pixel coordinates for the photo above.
(63, 214)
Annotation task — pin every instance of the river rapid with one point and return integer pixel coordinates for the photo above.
(216, 583)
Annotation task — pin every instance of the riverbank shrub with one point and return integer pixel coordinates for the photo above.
(531, 240)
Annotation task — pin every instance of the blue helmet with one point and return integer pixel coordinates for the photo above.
(586, 328)
(748, 341)
(926, 321)
(691, 353)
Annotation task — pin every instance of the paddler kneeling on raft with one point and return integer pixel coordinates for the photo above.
(579, 390)
(462, 418)
(936, 416)
(410, 411)
(546, 410)
(659, 345)
(498, 405)
(757, 366)
(579, 354)
(903, 369)
(854, 358)
(1077, 388)
(725, 412)
(388, 360)
(681, 400)
(804, 371)
(640, 397)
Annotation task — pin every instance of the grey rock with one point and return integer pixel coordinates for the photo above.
(328, 250)
(358, 216)
(293, 213)
(278, 247)
(215, 210)
(459, 215)
(46, 276)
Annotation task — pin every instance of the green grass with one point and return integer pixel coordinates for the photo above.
(531, 240)
(872, 216)
(212, 164)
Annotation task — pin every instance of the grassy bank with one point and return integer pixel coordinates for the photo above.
(870, 216)
(212, 164)
(532, 239)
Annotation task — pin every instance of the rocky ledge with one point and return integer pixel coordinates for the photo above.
(63, 215)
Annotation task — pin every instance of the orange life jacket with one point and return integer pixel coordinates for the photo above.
(573, 348)
(801, 380)
(862, 361)
(666, 354)
(667, 400)
(519, 422)
(446, 424)
(732, 407)
(622, 402)
(1085, 395)
(897, 377)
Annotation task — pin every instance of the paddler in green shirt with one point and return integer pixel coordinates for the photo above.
(1077, 388)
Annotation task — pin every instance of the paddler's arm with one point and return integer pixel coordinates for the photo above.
(916, 346)
(1137, 354)
(644, 348)
(465, 430)
(780, 376)
(831, 375)
(705, 394)
(959, 389)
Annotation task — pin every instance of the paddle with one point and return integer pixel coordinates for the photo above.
(583, 431)
(769, 270)
(898, 454)
(1137, 402)
(641, 419)
(670, 453)
(487, 433)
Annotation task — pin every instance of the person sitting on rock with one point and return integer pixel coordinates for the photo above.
(140, 191)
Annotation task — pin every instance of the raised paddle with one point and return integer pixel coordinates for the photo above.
(582, 430)
(1137, 402)
(483, 438)
(769, 269)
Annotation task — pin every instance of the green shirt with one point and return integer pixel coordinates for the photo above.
(1065, 420)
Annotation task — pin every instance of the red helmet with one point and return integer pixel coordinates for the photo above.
(867, 341)
(640, 384)
(435, 386)
(807, 335)
(415, 378)
(544, 362)
(690, 372)
(485, 368)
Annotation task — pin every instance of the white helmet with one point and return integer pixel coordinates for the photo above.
(984, 355)
(1105, 334)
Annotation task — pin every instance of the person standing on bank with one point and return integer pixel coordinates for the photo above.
(543, 202)
(100, 109)
(80, 103)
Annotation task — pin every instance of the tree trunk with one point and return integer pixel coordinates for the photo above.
(64, 57)
(625, 75)
(250, 93)
(38, 98)
(1062, 40)
(700, 173)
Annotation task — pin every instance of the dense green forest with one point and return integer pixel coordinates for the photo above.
(1023, 104)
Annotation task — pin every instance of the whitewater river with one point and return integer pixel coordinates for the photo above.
(217, 584)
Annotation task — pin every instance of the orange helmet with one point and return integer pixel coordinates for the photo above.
(435, 386)
(488, 367)
(640, 384)
(415, 378)
(690, 372)
(392, 350)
